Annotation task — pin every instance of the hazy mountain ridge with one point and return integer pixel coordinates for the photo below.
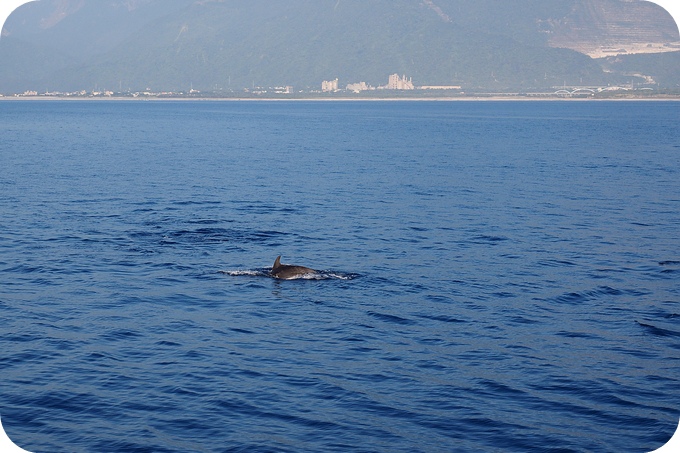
(236, 44)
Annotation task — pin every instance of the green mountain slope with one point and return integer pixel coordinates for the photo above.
(234, 44)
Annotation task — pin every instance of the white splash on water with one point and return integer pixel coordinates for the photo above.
(321, 275)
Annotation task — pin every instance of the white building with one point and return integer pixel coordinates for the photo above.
(329, 86)
(358, 87)
(399, 83)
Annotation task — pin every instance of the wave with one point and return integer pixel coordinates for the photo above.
(658, 331)
(597, 293)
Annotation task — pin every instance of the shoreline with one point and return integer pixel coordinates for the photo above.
(471, 98)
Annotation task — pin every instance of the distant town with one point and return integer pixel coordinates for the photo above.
(397, 86)
(395, 82)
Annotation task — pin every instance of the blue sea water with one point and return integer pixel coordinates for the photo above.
(494, 276)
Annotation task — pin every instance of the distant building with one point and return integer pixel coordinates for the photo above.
(358, 87)
(329, 86)
(399, 83)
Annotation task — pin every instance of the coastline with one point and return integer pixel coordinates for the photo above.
(471, 98)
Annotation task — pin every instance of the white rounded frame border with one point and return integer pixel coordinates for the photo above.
(8, 6)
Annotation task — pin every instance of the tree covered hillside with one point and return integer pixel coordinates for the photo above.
(235, 44)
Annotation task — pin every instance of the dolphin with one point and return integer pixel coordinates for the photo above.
(288, 272)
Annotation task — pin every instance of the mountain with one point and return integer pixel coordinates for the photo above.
(601, 28)
(495, 45)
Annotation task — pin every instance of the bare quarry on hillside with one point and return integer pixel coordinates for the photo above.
(604, 28)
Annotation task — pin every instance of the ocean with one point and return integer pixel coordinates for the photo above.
(492, 276)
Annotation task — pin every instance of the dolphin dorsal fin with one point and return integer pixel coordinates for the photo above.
(277, 263)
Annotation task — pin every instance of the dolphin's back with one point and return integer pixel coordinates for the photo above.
(288, 272)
